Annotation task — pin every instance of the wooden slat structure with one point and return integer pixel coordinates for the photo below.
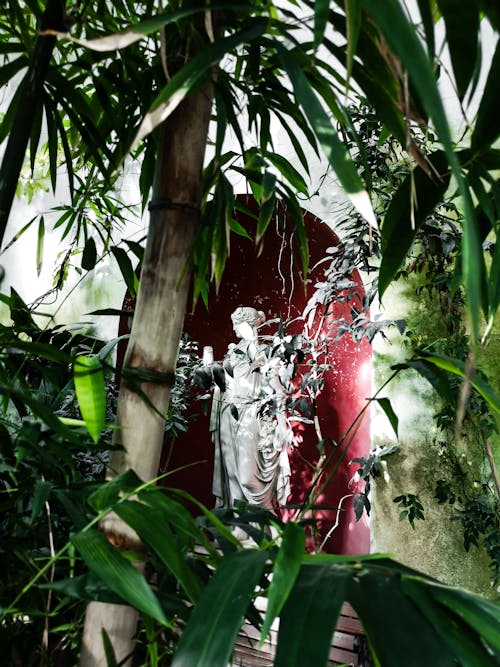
(343, 650)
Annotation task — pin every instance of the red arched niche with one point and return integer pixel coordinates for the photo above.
(271, 281)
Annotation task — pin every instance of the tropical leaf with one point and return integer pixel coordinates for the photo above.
(462, 24)
(487, 126)
(310, 615)
(209, 636)
(192, 74)
(90, 389)
(151, 527)
(333, 148)
(285, 572)
(118, 573)
(400, 35)
(457, 367)
(415, 199)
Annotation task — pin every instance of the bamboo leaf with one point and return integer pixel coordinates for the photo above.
(462, 26)
(89, 255)
(460, 637)
(152, 528)
(333, 148)
(90, 389)
(285, 572)
(126, 268)
(118, 573)
(192, 74)
(457, 367)
(386, 406)
(425, 8)
(138, 31)
(415, 199)
(478, 612)
(387, 614)
(400, 35)
(39, 245)
(310, 614)
(41, 494)
(209, 636)
(487, 126)
(288, 171)
(353, 11)
(321, 10)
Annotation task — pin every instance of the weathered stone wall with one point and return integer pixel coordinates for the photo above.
(435, 546)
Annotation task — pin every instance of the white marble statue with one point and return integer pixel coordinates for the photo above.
(248, 423)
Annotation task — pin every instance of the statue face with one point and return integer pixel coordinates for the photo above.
(244, 330)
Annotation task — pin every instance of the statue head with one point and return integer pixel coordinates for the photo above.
(245, 319)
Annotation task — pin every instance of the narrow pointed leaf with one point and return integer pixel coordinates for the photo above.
(457, 367)
(460, 638)
(90, 389)
(386, 406)
(415, 199)
(285, 571)
(462, 24)
(353, 9)
(400, 35)
(39, 245)
(310, 614)
(209, 637)
(487, 126)
(192, 74)
(89, 256)
(126, 268)
(334, 150)
(479, 613)
(321, 10)
(154, 531)
(118, 573)
(392, 621)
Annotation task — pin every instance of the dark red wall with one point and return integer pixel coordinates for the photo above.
(271, 282)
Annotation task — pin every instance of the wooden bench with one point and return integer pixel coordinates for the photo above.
(343, 650)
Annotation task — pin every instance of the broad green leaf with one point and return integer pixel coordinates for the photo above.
(457, 367)
(266, 210)
(209, 636)
(118, 573)
(479, 613)
(154, 531)
(400, 35)
(285, 572)
(192, 74)
(436, 376)
(462, 25)
(386, 406)
(90, 389)
(310, 614)
(487, 126)
(392, 620)
(333, 148)
(180, 518)
(84, 587)
(415, 199)
(461, 639)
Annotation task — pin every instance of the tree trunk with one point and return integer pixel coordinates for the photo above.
(154, 339)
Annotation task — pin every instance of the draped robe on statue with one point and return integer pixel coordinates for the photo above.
(251, 458)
